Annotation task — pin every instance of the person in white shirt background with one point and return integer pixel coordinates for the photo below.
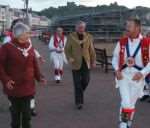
(7, 37)
(57, 55)
(131, 64)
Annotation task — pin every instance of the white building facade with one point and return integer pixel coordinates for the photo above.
(7, 15)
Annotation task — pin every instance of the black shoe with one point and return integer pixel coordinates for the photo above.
(145, 97)
(33, 112)
(148, 101)
(57, 81)
(79, 106)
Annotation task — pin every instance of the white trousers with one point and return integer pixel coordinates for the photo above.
(58, 63)
(130, 91)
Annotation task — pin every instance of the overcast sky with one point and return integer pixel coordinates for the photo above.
(41, 4)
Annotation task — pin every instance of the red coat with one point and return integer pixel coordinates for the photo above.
(22, 70)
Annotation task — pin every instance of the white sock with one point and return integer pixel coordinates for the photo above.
(32, 104)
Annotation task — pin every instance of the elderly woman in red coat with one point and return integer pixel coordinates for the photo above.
(18, 72)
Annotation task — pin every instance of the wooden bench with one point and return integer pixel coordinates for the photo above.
(103, 59)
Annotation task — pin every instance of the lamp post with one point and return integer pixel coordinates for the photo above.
(26, 7)
(27, 17)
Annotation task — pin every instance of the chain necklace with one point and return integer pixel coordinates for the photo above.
(24, 50)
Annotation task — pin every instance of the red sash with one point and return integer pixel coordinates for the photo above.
(56, 41)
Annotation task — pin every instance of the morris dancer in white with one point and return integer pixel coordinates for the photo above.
(57, 56)
(131, 64)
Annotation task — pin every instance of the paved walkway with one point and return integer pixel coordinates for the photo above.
(55, 104)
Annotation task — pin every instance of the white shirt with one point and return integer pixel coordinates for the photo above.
(133, 44)
(52, 46)
(7, 39)
(37, 54)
